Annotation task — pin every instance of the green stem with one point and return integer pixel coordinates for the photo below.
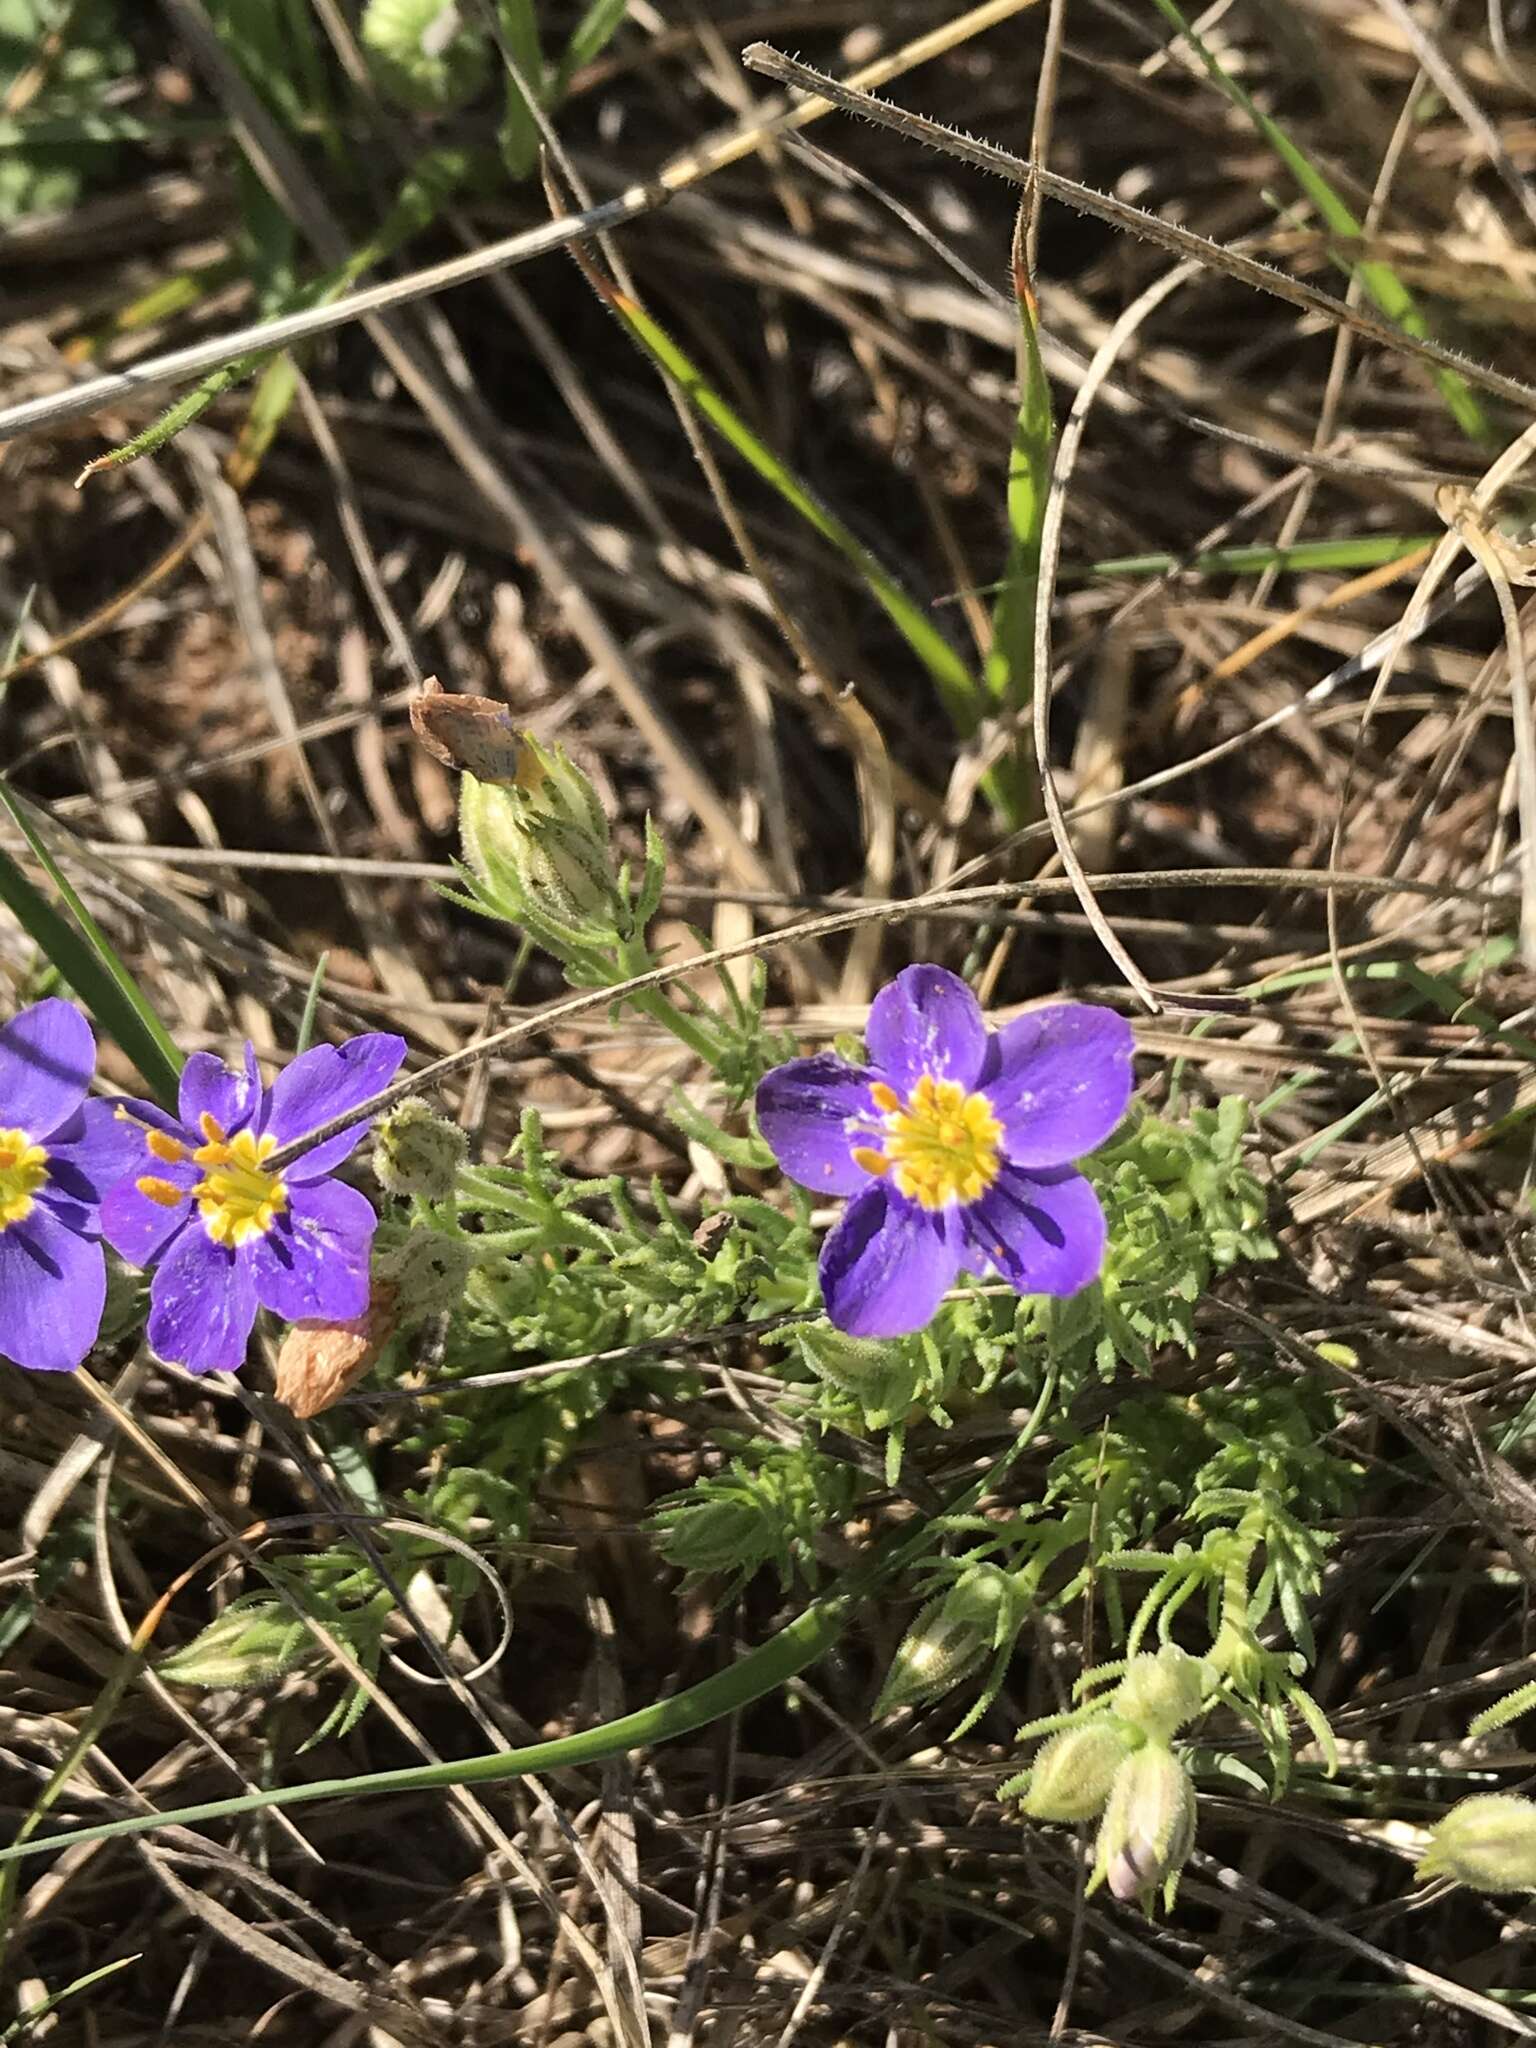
(697, 1037)
(635, 959)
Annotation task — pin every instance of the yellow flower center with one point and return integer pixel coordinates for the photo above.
(236, 1197)
(941, 1148)
(23, 1170)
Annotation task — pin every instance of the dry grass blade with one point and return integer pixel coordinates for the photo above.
(1180, 242)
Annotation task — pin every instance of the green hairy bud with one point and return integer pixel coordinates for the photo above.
(953, 1635)
(1488, 1843)
(1075, 1771)
(253, 1642)
(429, 55)
(427, 1272)
(1160, 1691)
(1148, 1827)
(418, 1152)
(539, 850)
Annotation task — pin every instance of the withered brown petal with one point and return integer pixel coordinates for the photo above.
(318, 1362)
(473, 734)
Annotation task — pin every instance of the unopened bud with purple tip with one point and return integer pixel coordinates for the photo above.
(1148, 1827)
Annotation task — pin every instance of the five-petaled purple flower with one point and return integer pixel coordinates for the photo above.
(224, 1231)
(956, 1145)
(59, 1154)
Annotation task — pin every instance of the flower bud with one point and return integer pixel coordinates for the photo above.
(317, 1362)
(1075, 1771)
(953, 1635)
(252, 1642)
(425, 54)
(417, 1152)
(1148, 1827)
(1160, 1691)
(427, 1272)
(539, 850)
(1488, 1842)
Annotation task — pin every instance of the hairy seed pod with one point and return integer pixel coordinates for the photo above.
(1160, 1691)
(417, 1152)
(1488, 1843)
(1075, 1771)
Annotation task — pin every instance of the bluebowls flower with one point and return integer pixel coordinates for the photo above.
(223, 1230)
(956, 1145)
(59, 1154)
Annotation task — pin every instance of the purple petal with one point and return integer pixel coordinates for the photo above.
(1059, 1080)
(91, 1153)
(230, 1095)
(47, 1057)
(323, 1083)
(803, 1110)
(1041, 1232)
(314, 1262)
(926, 1021)
(53, 1286)
(202, 1303)
(886, 1264)
(139, 1229)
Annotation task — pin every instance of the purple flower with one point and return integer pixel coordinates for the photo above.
(59, 1154)
(956, 1145)
(228, 1234)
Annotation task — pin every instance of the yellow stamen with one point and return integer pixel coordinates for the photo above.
(165, 1192)
(165, 1147)
(237, 1197)
(23, 1170)
(941, 1149)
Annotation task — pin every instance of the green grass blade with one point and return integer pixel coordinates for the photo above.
(1379, 279)
(1371, 551)
(519, 134)
(1009, 669)
(87, 961)
(420, 198)
(589, 38)
(760, 1672)
(778, 1660)
(24, 2022)
(311, 1002)
(954, 681)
